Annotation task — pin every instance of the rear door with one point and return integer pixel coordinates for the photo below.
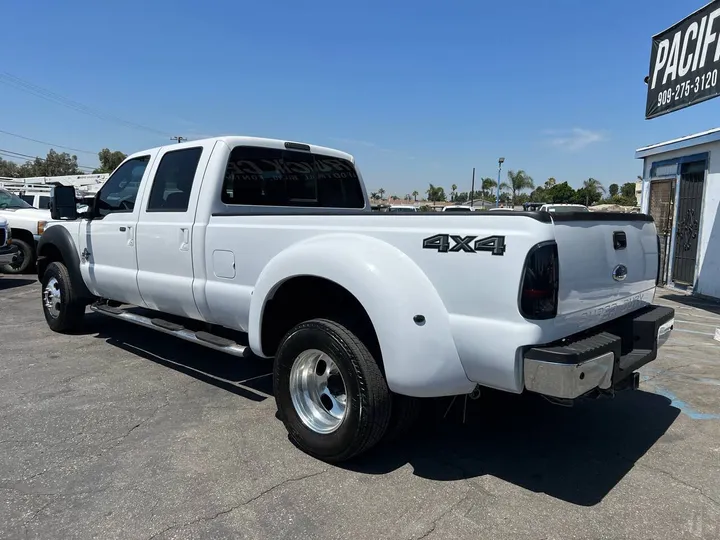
(165, 230)
(608, 264)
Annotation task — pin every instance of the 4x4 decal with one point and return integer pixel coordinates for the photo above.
(466, 244)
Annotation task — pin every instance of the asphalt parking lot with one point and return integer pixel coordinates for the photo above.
(125, 433)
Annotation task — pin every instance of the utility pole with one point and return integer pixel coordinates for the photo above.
(179, 139)
(472, 189)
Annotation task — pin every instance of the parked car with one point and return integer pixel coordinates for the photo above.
(274, 244)
(8, 251)
(557, 207)
(459, 208)
(27, 224)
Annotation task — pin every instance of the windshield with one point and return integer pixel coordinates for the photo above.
(457, 209)
(401, 209)
(8, 200)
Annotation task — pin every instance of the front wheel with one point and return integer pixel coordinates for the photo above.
(330, 392)
(23, 260)
(63, 312)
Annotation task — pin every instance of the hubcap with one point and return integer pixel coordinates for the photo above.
(18, 260)
(317, 390)
(52, 299)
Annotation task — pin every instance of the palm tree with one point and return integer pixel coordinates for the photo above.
(519, 181)
(487, 184)
(381, 192)
(453, 189)
(592, 186)
(373, 195)
(415, 194)
(550, 182)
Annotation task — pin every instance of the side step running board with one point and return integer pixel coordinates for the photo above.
(201, 338)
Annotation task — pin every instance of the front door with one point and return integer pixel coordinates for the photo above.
(108, 260)
(692, 180)
(662, 203)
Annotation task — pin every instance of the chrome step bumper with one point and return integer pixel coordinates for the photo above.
(600, 359)
(201, 338)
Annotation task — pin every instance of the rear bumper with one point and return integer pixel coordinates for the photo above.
(602, 357)
(7, 254)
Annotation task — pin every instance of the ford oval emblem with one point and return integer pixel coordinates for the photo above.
(619, 272)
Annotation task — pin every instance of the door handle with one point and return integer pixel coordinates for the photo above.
(123, 229)
(184, 239)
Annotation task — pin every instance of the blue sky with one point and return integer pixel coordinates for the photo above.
(418, 91)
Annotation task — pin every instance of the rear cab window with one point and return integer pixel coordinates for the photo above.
(262, 176)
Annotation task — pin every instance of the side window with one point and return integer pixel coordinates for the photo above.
(274, 177)
(27, 198)
(120, 190)
(43, 202)
(173, 181)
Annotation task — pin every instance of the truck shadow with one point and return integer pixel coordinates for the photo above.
(694, 302)
(251, 379)
(576, 454)
(14, 282)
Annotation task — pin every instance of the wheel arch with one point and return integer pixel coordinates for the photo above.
(57, 245)
(405, 311)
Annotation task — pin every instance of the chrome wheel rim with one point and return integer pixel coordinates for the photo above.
(52, 299)
(318, 391)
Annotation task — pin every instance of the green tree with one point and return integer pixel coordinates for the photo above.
(613, 189)
(561, 193)
(461, 197)
(540, 194)
(381, 192)
(487, 185)
(628, 189)
(9, 169)
(550, 182)
(436, 193)
(453, 189)
(592, 190)
(415, 194)
(109, 160)
(519, 181)
(54, 164)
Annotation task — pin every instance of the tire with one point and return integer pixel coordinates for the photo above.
(323, 346)
(67, 314)
(24, 258)
(405, 415)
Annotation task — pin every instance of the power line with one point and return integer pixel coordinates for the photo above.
(48, 95)
(18, 155)
(47, 143)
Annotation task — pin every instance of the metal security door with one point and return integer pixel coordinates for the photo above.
(662, 202)
(692, 180)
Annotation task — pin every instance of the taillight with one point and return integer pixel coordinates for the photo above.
(539, 287)
(657, 276)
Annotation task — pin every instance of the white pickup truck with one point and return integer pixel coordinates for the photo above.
(274, 243)
(28, 224)
(8, 251)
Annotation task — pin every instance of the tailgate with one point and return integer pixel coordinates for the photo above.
(607, 260)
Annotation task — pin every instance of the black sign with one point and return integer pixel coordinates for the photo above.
(684, 63)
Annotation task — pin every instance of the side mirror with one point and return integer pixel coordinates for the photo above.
(62, 203)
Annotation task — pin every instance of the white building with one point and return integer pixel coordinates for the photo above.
(681, 190)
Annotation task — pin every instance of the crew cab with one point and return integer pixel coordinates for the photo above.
(28, 224)
(263, 248)
(8, 251)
